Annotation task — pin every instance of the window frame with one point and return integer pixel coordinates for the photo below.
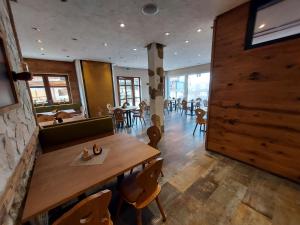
(47, 87)
(132, 88)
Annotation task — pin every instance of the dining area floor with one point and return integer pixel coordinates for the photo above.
(203, 188)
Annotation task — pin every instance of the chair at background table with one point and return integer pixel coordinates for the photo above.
(119, 117)
(166, 105)
(139, 113)
(200, 113)
(146, 107)
(184, 107)
(141, 188)
(91, 211)
(178, 104)
(198, 103)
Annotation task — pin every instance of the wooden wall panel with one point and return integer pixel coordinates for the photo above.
(254, 108)
(98, 83)
(57, 67)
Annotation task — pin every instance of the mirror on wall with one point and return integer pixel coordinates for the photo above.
(271, 21)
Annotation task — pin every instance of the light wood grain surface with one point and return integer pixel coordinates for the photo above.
(55, 181)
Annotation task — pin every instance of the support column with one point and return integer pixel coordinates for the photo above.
(156, 80)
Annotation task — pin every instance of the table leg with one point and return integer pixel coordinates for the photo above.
(171, 106)
(128, 117)
(192, 108)
(175, 105)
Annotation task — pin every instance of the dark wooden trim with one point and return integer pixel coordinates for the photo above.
(210, 83)
(112, 83)
(254, 5)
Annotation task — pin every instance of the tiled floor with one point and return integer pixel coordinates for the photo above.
(203, 188)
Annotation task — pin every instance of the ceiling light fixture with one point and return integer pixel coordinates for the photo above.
(134, 49)
(74, 39)
(39, 41)
(187, 41)
(199, 30)
(167, 33)
(105, 44)
(122, 25)
(150, 9)
(261, 26)
(42, 49)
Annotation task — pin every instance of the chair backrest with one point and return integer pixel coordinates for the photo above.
(154, 135)
(166, 104)
(156, 120)
(44, 118)
(142, 106)
(147, 180)
(119, 115)
(200, 113)
(91, 211)
(184, 104)
(63, 115)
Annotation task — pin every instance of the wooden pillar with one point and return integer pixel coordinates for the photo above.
(156, 80)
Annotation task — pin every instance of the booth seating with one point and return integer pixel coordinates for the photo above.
(66, 134)
(60, 107)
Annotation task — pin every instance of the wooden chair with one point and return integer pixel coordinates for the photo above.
(63, 115)
(178, 104)
(140, 189)
(184, 107)
(146, 107)
(155, 119)
(119, 117)
(44, 118)
(200, 113)
(154, 135)
(166, 105)
(139, 113)
(91, 211)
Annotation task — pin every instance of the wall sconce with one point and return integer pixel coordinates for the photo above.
(25, 75)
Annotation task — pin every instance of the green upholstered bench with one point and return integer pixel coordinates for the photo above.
(50, 108)
(66, 134)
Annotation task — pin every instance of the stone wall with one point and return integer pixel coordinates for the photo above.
(17, 135)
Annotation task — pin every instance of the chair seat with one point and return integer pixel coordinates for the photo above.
(130, 191)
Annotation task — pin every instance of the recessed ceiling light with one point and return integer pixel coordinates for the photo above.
(39, 41)
(74, 39)
(42, 49)
(167, 33)
(199, 30)
(175, 53)
(134, 49)
(187, 41)
(150, 9)
(261, 26)
(36, 29)
(105, 44)
(122, 25)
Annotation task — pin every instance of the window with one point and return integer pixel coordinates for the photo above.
(176, 87)
(49, 89)
(198, 86)
(129, 89)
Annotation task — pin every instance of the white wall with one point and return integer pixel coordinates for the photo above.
(189, 70)
(131, 72)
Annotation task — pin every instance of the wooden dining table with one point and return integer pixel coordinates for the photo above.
(56, 180)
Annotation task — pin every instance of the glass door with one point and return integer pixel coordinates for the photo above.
(129, 89)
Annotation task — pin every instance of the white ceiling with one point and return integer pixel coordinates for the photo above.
(94, 22)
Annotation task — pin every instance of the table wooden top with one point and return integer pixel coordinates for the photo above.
(128, 108)
(55, 181)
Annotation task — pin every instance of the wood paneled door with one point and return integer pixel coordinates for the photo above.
(129, 90)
